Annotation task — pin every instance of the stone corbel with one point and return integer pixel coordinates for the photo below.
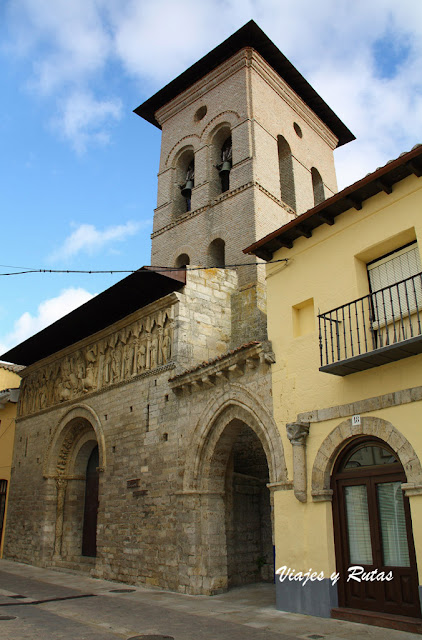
(235, 369)
(297, 432)
(208, 381)
(252, 363)
(267, 357)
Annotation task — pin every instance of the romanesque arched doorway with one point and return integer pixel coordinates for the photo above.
(373, 530)
(73, 464)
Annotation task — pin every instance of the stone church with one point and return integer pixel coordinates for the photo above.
(146, 450)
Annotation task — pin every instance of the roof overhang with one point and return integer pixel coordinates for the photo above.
(250, 35)
(125, 297)
(352, 197)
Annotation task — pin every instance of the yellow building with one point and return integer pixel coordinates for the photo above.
(344, 314)
(9, 394)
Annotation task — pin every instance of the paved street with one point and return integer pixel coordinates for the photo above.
(62, 605)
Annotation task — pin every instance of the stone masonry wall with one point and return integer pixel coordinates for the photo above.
(145, 430)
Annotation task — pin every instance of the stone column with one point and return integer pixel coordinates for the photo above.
(61, 484)
(297, 432)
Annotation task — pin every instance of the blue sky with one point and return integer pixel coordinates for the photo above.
(79, 168)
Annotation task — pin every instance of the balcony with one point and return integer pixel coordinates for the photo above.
(379, 328)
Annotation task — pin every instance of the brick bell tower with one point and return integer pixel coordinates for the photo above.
(247, 145)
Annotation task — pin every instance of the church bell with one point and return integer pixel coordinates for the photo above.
(186, 191)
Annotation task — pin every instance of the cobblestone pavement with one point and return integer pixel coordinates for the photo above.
(46, 604)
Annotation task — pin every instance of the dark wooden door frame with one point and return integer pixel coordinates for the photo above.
(370, 477)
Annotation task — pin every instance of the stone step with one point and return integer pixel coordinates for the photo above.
(378, 619)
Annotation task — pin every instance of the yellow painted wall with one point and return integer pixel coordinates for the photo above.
(323, 272)
(8, 380)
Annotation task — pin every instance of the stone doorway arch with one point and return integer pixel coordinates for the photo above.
(77, 436)
(369, 426)
(226, 515)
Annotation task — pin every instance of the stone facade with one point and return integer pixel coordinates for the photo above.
(161, 520)
(177, 395)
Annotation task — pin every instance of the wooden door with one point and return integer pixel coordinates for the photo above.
(373, 530)
(89, 532)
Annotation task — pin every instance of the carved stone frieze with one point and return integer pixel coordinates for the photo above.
(130, 351)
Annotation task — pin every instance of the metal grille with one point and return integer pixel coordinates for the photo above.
(382, 318)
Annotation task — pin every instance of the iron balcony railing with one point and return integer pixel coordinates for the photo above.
(381, 319)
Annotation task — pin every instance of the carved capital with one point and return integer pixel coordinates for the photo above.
(297, 432)
(61, 483)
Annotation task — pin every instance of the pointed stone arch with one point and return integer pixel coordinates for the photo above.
(370, 426)
(235, 403)
(213, 512)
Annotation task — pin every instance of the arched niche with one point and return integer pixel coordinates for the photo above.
(317, 186)
(285, 164)
(216, 255)
(182, 260)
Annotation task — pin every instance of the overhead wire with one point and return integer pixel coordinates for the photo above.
(146, 269)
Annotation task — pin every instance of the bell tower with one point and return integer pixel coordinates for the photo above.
(247, 145)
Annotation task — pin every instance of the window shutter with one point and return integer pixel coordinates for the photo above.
(394, 268)
(400, 300)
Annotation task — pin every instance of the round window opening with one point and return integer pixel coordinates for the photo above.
(201, 113)
(297, 129)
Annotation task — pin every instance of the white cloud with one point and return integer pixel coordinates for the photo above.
(48, 312)
(65, 41)
(340, 48)
(83, 120)
(86, 238)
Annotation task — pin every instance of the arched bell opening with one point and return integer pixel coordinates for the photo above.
(221, 160)
(373, 530)
(184, 182)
